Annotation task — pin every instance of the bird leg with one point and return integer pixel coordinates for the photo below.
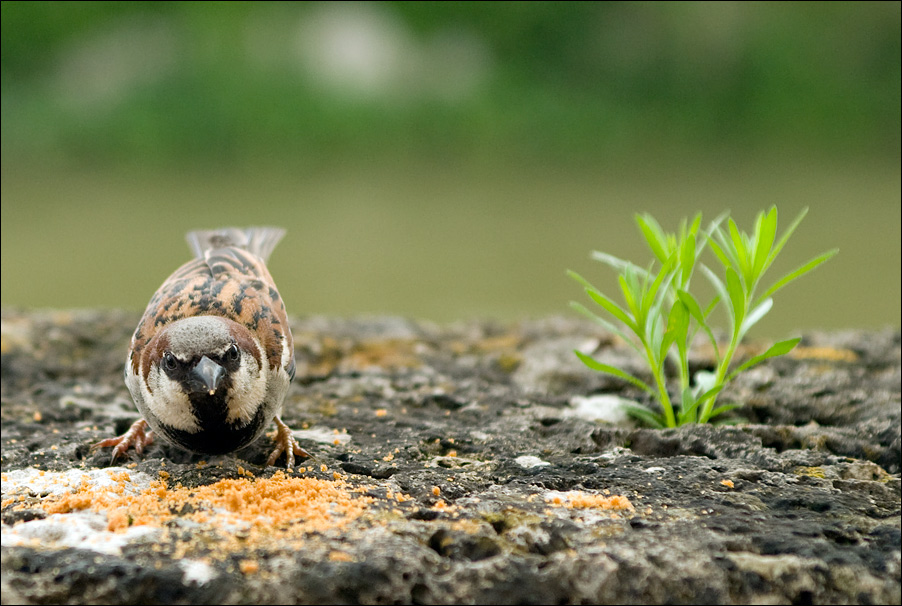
(286, 443)
(137, 436)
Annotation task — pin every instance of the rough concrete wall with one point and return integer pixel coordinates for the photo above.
(455, 464)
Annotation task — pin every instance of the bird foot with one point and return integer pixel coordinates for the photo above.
(137, 436)
(286, 443)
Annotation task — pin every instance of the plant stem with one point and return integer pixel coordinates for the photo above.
(721, 373)
(684, 384)
(662, 389)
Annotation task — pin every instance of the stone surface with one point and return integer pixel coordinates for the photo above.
(455, 464)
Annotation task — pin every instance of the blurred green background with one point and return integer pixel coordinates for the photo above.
(446, 160)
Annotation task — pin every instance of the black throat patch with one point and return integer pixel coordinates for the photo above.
(216, 434)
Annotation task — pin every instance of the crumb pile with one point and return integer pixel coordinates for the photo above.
(247, 512)
(576, 499)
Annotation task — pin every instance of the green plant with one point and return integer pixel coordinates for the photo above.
(661, 317)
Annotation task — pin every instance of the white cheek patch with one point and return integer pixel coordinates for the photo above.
(248, 389)
(168, 403)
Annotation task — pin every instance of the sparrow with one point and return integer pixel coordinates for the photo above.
(212, 358)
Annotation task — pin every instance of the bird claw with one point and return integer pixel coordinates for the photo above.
(137, 436)
(286, 443)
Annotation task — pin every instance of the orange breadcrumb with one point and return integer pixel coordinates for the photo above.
(582, 500)
(340, 556)
(117, 520)
(248, 566)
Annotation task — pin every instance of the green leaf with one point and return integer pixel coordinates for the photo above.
(603, 322)
(700, 317)
(654, 235)
(612, 308)
(701, 242)
(706, 388)
(653, 317)
(619, 265)
(688, 406)
(777, 349)
(717, 250)
(687, 259)
(765, 231)
(737, 298)
(712, 305)
(682, 322)
(579, 279)
(711, 393)
(696, 224)
(692, 306)
(740, 246)
(723, 253)
(755, 315)
(715, 224)
(612, 370)
(677, 328)
(654, 330)
(722, 409)
(785, 237)
(720, 287)
(645, 415)
(666, 340)
(798, 273)
(664, 275)
(629, 286)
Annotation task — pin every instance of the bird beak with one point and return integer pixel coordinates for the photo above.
(209, 373)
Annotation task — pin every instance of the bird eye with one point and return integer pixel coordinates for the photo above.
(169, 361)
(233, 352)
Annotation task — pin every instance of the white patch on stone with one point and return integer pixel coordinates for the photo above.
(54, 483)
(80, 529)
(654, 470)
(606, 408)
(588, 347)
(617, 451)
(322, 435)
(454, 462)
(530, 461)
(197, 572)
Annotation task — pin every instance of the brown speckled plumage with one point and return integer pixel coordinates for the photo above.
(227, 281)
(212, 357)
